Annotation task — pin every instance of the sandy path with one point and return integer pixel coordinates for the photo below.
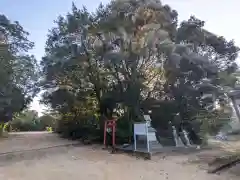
(21, 141)
(88, 163)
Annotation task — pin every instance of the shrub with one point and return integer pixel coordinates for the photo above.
(81, 127)
(19, 125)
(49, 129)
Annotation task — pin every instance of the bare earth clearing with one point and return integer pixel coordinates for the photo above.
(89, 162)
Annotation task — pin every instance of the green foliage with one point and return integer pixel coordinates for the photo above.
(49, 129)
(48, 121)
(124, 130)
(18, 70)
(26, 121)
(131, 54)
(211, 123)
(80, 127)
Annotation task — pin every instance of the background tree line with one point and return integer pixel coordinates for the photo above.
(29, 120)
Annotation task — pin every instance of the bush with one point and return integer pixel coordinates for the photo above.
(19, 125)
(211, 123)
(7, 127)
(85, 127)
(124, 130)
(47, 121)
(90, 127)
(49, 129)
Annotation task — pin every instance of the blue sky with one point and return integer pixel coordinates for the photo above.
(37, 17)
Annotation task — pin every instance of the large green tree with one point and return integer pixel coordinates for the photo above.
(112, 57)
(130, 52)
(18, 70)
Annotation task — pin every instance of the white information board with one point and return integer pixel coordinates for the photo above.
(145, 129)
(140, 129)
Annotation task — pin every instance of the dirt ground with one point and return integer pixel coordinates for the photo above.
(89, 162)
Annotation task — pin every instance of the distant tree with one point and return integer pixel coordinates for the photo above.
(47, 120)
(26, 120)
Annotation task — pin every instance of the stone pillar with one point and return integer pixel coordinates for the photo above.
(236, 107)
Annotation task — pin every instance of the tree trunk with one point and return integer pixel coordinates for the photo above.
(1, 129)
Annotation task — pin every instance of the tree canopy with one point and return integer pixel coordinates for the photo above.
(130, 57)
